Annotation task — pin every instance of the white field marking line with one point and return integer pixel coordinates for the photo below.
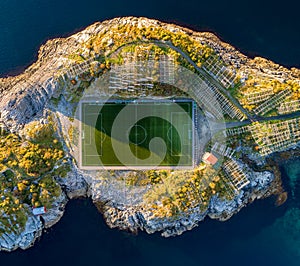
(186, 144)
(85, 130)
(172, 113)
(168, 134)
(83, 144)
(80, 134)
(136, 128)
(134, 167)
(136, 106)
(193, 132)
(186, 130)
(86, 114)
(90, 131)
(85, 119)
(146, 134)
(101, 146)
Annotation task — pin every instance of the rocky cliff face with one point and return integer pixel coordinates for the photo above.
(136, 217)
(26, 101)
(73, 186)
(53, 215)
(24, 240)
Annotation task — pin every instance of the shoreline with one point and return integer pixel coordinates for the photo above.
(80, 184)
(18, 70)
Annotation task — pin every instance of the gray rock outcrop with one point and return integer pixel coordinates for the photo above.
(24, 240)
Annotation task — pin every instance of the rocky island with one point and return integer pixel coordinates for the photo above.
(230, 120)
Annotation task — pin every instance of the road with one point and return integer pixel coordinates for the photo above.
(206, 76)
(279, 117)
(211, 80)
(220, 126)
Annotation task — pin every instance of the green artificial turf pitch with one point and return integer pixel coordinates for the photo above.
(170, 121)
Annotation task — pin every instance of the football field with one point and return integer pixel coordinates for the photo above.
(136, 134)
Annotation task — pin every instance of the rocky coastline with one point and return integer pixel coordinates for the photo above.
(27, 97)
(136, 218)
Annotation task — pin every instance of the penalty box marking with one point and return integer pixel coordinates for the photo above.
(87, 129)
(185, 137)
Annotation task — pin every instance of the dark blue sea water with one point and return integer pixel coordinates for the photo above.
(261, 234)
(268, 28)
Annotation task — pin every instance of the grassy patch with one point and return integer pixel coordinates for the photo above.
(24, 179)
(175, 192)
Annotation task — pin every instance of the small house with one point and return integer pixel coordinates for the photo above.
(39, 211)
(209, 158)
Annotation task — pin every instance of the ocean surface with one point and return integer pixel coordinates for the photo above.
(260, 234)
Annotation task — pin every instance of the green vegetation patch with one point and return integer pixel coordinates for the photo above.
(175, 192)
(122, 34)
(25, 173)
